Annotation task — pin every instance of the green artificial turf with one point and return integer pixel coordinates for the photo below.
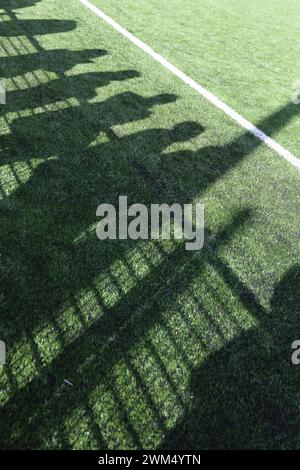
(244, 52)
(165, 348)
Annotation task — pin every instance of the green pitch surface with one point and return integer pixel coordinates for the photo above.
(164, 348)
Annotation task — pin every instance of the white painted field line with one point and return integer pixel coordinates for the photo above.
(272, 144)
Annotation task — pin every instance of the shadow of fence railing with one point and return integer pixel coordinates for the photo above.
(50, 254)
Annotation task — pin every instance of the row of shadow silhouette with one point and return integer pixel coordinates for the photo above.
(43, 268)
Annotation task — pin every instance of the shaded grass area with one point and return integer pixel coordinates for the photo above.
(165, 348)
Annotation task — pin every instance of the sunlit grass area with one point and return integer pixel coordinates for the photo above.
(140, 344)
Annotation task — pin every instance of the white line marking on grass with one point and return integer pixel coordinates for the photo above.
(272, 144)
(68, 382)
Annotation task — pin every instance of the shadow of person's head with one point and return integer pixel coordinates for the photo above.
(285, 304)
(186, 131)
